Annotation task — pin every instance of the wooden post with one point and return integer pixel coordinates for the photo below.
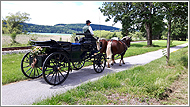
(168, 41)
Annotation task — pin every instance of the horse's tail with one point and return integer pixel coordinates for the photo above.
(109, 52)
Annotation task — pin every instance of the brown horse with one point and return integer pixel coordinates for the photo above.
(103, 44)
(117, 47)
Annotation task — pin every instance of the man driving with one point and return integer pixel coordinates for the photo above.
(87, 29)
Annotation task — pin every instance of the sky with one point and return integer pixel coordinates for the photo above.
(58, 12)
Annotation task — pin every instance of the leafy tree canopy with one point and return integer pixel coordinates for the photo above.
(12, 23)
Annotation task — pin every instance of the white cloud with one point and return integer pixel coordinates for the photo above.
(54, 12)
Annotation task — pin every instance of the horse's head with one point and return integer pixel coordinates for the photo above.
(126, 40)
(101, 45)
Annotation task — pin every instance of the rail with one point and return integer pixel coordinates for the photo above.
(16, 48)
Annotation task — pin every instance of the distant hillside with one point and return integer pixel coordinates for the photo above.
(64, 28)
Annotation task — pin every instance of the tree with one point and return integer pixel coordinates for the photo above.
(148, 20)
(121, 12)
(11, 24)
(134, 16)
(148, 25)
(173, 11)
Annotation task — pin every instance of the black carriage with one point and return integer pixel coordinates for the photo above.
(59, 59)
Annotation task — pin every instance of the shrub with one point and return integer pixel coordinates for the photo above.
(32, 38)
(137, 36)
(13, 37)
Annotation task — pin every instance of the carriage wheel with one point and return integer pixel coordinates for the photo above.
(56, 68)
(99, 63)
(28, 70)
(78, 65)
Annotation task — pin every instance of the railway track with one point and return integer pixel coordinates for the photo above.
(16, 48)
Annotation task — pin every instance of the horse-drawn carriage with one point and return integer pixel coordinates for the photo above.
(59, 58)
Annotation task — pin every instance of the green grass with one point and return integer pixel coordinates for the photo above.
(11, 70)
(147, 81)
(140, 48)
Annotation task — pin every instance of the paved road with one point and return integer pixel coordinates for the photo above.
(27, 92)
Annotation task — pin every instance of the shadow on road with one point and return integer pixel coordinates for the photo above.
(76, 77)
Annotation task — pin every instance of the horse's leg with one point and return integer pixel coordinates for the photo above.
(122, 58)
(120, 63)
(112, 60)
(108, 65)
(123, 62)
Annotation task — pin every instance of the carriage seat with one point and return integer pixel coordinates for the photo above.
(87, 35)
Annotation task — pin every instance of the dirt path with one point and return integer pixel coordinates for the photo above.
(179, 91)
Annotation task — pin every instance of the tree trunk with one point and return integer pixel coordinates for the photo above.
(148, 25)
(168, 41)
(149, 33)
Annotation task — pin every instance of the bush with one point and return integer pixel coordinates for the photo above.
(32, 38)
(137, 36)
(164, 35)
(13, 37)
(107, 34)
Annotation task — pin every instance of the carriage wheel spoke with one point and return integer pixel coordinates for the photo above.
(52, 76)
(53, 67)
(31, 72)
(26, 66)
(28, 69)
(37, 71)
(34, 72)
(99, 63)
(55, 78)
(49, 74)
(100, 69)
(58, 76)
(62, 74)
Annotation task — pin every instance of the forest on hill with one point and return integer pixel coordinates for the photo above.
(64, 28)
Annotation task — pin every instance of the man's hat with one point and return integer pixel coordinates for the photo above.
(88, 21)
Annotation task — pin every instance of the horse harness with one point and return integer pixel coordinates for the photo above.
(124, 45)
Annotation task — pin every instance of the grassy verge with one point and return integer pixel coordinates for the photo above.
(138, 85)
(11, 70)
(179, 94)
(140, 48)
